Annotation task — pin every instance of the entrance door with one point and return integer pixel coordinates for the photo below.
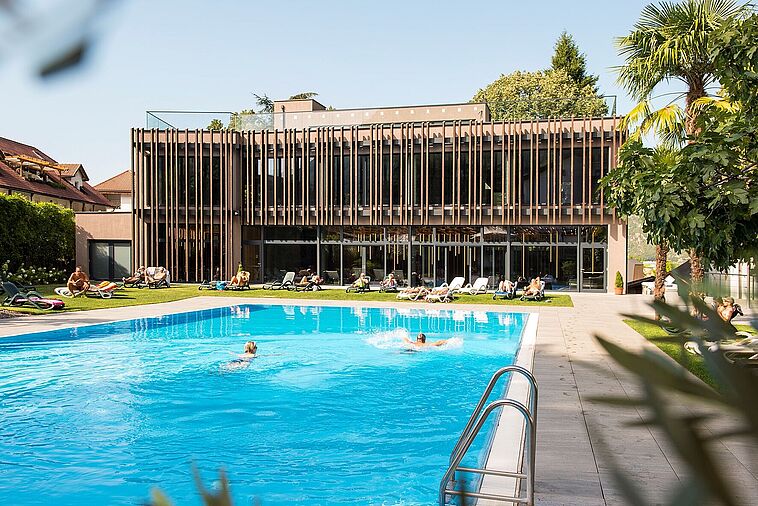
(593, 268)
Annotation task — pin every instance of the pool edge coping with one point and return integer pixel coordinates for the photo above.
(506, 452)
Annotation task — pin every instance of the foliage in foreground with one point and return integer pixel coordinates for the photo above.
(737, 396)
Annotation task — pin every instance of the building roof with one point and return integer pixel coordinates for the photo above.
(120, 183)
(70, 170)
(53, 179)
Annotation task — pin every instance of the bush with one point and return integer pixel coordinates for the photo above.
(32, 275)
(619, 280)
(39, 234)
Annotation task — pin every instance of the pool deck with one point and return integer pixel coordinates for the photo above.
(571, 368)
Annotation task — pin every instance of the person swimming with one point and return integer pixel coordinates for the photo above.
(420, 341)
(242, 361)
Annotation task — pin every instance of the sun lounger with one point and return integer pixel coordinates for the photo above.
(412, 293)
(104, 290)
(440, 295)
(18, 298)
(508, 293)
(281, 284)
(307, 287)
(479, 286)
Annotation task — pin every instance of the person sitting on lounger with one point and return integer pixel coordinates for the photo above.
(240, 280)
(726, 309)
(533, 288)
(78, 282)
(361, 282)
(158, 275)
(389, 282)
(420, 341)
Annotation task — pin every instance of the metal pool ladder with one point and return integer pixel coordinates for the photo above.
(474, 425)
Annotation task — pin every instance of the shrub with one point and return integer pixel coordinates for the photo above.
(38, 234)
(32, 275)
(619, 280)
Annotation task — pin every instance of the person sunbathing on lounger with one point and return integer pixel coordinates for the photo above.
(421, 341)
(389, 282)
(361, 282)
(533, 288)
(78, 282)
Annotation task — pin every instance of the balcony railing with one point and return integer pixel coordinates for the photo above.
(246, 121)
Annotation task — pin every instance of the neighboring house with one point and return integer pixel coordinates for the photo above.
(427, 192)
(118, 190)
(27, 171)
(104, 240)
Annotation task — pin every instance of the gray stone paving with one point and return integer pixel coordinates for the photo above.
(573, 430)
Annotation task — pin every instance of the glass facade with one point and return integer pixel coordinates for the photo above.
(565, 257)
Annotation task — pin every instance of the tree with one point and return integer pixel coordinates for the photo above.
(637, 187)
(541, 94)
(567, 57)
(303, 95)
(215, 124)
(674, 41)
(265, 104)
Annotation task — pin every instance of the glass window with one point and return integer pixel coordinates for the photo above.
(435, 178)
(280, 233)
(495, 234)
(458, 234)
(251, 261)
(363, 234)
(330, 264)
(99, 260)
(281, 258)
(331, 234)
(251, 233)
(397, 234)
(422, 234)
(595, 234)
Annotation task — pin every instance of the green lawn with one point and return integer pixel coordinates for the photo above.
(671, 345)
(139, 296)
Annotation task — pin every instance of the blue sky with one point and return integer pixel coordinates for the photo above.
(194, 55)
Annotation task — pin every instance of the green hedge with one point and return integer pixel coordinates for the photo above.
(38, 234)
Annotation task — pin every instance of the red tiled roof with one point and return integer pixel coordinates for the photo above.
(120, 183)
(23, 149)
(60, 187)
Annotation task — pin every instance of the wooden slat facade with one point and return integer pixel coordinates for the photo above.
(194, 189)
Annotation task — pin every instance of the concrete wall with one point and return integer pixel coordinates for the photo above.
(100, 226)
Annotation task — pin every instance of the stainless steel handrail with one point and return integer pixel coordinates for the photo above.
(487, 391)
(469, 439)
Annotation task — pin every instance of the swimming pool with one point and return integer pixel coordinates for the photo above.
(333, 411)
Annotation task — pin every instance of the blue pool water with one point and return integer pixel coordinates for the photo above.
(333, 411)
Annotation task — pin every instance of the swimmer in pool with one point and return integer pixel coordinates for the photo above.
(251, 350)
(420, 341)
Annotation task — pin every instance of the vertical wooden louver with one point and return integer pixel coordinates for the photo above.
(190, 185)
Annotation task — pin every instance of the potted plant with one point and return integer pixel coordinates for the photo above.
(619, 284)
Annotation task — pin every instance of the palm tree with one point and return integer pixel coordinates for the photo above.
(673, 41)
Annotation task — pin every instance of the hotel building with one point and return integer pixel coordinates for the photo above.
(426, 192)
